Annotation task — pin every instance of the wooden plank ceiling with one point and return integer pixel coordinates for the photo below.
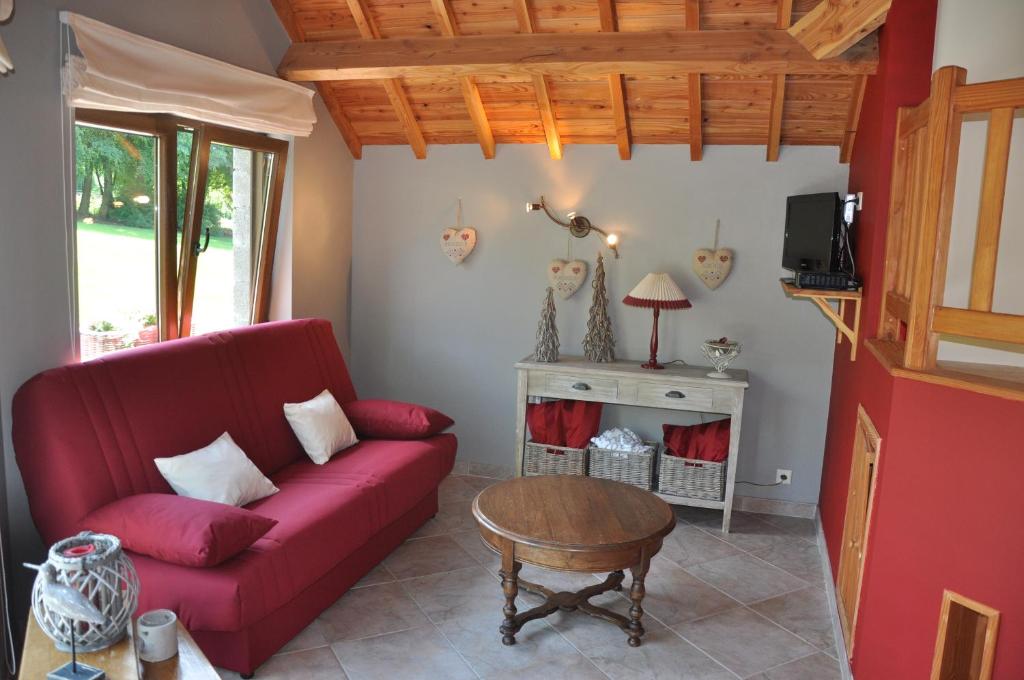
(786, 102)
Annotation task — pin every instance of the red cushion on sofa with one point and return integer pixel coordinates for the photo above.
(177, 529)
(384, 419)
(706, 441)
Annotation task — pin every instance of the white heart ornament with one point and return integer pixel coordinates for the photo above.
(712, 266)
(567, 277)
(457, 244)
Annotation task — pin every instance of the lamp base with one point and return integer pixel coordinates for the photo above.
(652, 364)
(84, 672)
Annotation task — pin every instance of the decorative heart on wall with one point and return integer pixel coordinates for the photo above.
(457, 244)
(712, 266)
(567, 277)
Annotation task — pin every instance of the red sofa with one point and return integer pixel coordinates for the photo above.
(86, 435)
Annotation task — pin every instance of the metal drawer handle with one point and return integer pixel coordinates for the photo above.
(675, 394)
(581, 386)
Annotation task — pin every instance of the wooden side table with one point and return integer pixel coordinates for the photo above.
(569, 523)
(120, 662)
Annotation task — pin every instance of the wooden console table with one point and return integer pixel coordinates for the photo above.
(676, 388)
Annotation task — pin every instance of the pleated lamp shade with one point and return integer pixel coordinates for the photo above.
(657, 289)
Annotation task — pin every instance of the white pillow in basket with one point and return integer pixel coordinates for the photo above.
(220, 472)
(321, 426)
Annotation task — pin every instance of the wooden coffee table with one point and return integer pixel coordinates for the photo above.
(578, 524)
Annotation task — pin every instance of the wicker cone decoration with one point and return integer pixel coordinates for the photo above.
(547, 332)
(599, 343)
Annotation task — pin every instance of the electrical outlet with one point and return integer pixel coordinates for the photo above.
(783, 476)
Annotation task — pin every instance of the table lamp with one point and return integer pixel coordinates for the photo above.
(658, 291)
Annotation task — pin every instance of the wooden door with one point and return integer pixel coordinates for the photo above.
(863, 472)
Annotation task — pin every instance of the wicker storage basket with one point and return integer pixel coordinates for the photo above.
(546, 459)
(691, 478)
(631, 467)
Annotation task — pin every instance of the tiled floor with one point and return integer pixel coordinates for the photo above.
(747, 605)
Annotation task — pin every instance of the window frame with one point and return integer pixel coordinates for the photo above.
(176, 274)
(203, 136)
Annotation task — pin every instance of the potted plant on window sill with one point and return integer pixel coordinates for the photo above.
(100, 338)
(150, 332)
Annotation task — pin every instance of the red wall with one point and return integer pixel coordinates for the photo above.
(949, 502)
(948, 514)
(903, 78)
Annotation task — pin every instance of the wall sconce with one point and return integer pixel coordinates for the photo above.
(578, 225)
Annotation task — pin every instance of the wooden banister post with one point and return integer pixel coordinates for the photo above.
(888, 327)
(932, 247)
(990, 212)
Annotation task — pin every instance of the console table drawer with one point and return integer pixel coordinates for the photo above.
(584, 387)
(674, 396)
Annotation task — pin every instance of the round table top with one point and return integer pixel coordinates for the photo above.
(575, 513)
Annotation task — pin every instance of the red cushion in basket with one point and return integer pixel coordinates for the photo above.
(707, 441)
(582, 421)
(545, 423)
(565, 422)
(384, 419)
(178, 529)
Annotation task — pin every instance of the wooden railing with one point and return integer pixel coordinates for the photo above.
(913, 315)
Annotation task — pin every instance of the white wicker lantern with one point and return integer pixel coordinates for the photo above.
(94, 565)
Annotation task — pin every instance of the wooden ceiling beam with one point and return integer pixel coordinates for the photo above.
(620, 114)
(341, 121)
(606, 16)
(691, 11)
(852, 120)
(783, 18)
(445, 13)
(392, 86)
(834, 26)
(695, 96)
(285, 15)
(470, 91)
(696, 104)
(524, 17)
(775, 117)
(547, 117)
(616, 86)
(745, 53)
(784, 14)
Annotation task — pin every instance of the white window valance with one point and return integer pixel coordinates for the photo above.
(122, 71)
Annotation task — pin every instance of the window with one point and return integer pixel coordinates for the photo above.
(144, 186)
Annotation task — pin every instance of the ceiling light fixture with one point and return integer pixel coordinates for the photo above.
(578, 225)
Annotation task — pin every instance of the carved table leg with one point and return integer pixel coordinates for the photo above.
(510, 585)
(636, 595)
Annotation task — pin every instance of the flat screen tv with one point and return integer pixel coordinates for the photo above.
(813, 233)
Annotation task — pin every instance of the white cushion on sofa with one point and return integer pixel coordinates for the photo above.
(220, 472)
(321, 426)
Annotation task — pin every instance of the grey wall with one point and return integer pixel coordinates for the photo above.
(428, 331)
(35, 331)
(321, 240)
